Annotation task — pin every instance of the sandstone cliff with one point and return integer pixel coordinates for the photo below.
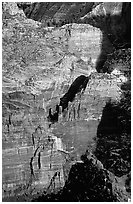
(39, 65)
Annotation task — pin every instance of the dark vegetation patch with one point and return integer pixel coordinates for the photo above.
(116, 31)
(120, 58)
(114, 136)
(87, 181)
(90, 180)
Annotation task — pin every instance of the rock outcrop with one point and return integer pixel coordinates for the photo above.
(76, 87)
(39, 66)
(89, 181)
(114, 20)
(56, 13)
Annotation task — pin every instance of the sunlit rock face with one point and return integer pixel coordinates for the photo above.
(113, 18)
(39, 65)
(36, 73)
(12, 8)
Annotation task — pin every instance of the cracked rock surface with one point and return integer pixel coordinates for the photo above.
(39, 65)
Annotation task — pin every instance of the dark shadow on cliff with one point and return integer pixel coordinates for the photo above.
(93, 179)
(47, 11)
(86, 182)
(79, 85)
(116, 30)
(114, 135)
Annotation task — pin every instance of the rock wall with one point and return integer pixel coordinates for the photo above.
(56, 13)
(37, 71)
(114, 20)
(89, 181)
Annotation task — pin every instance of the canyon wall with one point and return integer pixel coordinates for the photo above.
(39, 65)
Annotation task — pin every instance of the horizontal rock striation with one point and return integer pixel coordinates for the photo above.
(40, 66)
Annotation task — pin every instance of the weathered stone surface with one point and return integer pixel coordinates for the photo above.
(12, 8)
(56, 13)
(37, 71)
(114, 20)
(89, 181)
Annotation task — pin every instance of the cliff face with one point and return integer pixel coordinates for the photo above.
(39, 65)
(56, 12)
(113, 19)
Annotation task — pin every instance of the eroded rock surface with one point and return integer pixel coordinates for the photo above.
(39, 65)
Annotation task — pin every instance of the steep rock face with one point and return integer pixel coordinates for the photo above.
(114, 129)
(36, 74)
(113, 18)
(89, 181)
(56, 12)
